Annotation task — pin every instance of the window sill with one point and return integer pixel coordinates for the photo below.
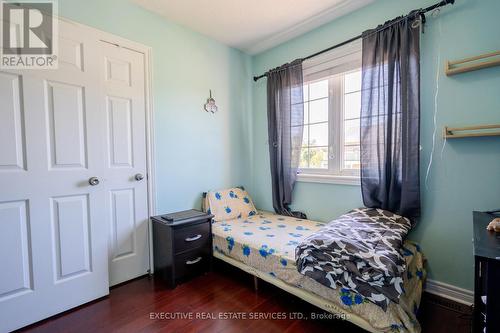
(328, 179)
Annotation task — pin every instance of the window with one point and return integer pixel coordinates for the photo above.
(332, 105)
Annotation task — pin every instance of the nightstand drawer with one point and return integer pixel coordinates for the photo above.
(192, 237)
(182, 245)
(192, 263)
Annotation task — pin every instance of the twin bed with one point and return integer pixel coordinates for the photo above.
(265, 245)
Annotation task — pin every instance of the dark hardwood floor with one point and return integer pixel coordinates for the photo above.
(145, 305)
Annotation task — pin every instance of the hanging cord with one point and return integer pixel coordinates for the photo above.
(436, 95)
(435, 14)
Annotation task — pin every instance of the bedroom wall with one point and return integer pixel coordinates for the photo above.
(195, 151)
(464, 175)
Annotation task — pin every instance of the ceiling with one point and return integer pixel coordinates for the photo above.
(252, 25)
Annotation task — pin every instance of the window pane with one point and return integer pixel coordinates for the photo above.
(318, 134)
(305, 137)
(318, 158)
(351, 132)
(352, 157)
(352, 105)
(352, 82)
(318, 89)
(304, 158)
(318, 110)
(306, 113)
(320, 107)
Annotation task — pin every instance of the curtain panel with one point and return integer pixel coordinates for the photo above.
(390, 117)
(285, 115)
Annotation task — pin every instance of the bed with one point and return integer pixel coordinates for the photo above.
(264, 244)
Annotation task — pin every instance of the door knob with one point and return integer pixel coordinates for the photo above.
(94, 181)
(139, 177)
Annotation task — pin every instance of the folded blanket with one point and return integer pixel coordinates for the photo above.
(362, 251)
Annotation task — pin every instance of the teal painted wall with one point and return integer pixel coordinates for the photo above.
(195, 151)
(465, 174)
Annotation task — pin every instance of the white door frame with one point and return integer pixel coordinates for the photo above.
(147, 51)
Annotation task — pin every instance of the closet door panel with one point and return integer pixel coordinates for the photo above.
(53, 222)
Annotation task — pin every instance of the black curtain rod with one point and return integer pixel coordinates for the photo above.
(421, 11)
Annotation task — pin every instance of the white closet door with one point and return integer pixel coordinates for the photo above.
(126, 184)
(53, 224)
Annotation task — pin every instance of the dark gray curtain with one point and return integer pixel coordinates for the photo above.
(285, 115)
(390, 118)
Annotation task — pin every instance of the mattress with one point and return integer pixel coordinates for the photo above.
(267, 242)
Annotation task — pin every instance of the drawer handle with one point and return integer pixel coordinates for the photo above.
(195, 261)
(192, 239)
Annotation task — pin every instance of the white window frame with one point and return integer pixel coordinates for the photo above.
(333, 65)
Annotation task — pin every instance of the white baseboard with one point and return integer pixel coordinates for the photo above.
(448, 291)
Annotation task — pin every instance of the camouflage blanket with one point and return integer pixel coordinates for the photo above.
(361, 251)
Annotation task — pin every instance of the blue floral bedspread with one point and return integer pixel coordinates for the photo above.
(267, 242)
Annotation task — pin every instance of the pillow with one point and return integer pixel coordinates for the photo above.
(229, 204)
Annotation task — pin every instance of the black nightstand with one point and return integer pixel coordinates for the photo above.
(487, 274)
(182, 245)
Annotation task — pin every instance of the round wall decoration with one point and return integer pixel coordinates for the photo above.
(210, 105)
